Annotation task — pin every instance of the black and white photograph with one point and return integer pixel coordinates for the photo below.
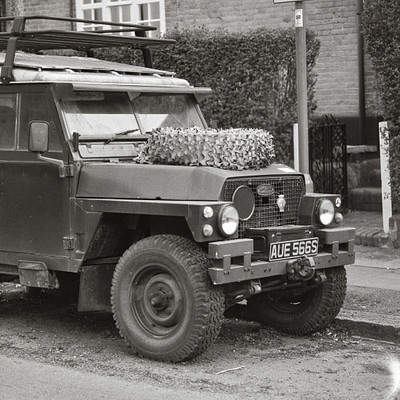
(200, 200)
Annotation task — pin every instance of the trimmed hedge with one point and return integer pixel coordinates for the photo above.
(394, 162)
(253, 75)
(382, 32)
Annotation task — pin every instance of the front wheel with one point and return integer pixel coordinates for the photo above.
(163, 301)
(306, 313)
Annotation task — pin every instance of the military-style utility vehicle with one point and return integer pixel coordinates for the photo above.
(166, 248)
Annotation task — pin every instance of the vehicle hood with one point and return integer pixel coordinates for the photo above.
(167, 182)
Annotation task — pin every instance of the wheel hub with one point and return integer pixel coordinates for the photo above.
(162, 302)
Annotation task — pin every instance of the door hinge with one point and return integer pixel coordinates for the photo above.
(69, 242)
(67, 170)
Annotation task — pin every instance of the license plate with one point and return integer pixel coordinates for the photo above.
(293, 248)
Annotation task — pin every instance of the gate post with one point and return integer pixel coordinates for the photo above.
(385, 175)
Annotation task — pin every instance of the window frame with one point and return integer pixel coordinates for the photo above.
(106, 5)
(12, 134)
(55, 144)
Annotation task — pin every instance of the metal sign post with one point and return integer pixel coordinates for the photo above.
(301, 78)
(301, 82)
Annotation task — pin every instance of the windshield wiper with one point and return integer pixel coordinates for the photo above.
(117, 135)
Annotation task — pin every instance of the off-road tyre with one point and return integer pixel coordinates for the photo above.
(163, 301)
(310, 312)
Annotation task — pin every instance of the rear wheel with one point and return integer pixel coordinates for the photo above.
(305, 313)
(163, 301)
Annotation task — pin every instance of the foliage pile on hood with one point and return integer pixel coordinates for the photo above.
(235, 149)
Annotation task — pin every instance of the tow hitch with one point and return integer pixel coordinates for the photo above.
(301, 269)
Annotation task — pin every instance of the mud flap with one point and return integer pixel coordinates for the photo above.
(95, 287)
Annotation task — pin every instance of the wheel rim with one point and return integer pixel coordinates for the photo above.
(157, 301)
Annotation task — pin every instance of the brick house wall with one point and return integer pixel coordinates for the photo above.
(61, 8)
(334, 21)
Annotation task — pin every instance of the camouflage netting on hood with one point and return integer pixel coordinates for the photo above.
(234, 149)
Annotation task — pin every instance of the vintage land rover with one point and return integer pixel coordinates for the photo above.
(166, 248)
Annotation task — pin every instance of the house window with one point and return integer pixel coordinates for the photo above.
(151, 12)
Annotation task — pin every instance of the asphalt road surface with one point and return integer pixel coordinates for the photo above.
(22, 379)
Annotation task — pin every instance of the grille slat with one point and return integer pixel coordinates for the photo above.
(266, 211)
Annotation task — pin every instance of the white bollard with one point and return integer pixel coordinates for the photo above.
(385, 175)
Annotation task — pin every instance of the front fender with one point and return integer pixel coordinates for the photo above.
(192, 211)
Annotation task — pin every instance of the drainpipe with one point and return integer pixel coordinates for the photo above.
(361, 75)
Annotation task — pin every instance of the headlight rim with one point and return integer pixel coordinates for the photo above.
(320, 215)
(220, 220)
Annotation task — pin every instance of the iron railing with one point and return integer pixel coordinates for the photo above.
(328, 157)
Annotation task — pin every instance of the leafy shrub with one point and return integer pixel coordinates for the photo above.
(382, 33)
(253, 75)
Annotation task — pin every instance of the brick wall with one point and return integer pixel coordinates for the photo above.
(60, 8)
(233, 14)
(337, 66)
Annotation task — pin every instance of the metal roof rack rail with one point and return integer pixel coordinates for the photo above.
(18, 38)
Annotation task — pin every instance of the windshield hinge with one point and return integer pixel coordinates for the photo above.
(69, 242)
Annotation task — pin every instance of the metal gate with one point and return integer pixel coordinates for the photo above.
(328, 157)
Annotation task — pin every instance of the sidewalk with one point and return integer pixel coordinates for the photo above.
(369, 228)
(372, 305)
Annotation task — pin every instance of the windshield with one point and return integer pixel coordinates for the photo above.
(99, 115)
(158, 111)
(111, 124)
(113, 116)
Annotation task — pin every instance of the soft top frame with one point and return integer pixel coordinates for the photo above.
(18, 38)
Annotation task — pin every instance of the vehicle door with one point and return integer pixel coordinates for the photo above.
(34, 199)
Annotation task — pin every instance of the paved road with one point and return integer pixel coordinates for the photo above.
(21, 379)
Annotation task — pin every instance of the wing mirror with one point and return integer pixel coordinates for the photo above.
(39, 136)
(39, 143)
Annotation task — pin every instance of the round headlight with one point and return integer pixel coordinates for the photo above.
(207, 230)
(208, 212)
(326, 212)
(338, 218)
(228, 220)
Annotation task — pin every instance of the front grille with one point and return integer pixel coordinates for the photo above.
(266, 211)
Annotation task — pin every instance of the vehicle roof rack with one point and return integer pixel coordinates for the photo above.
(18, 38)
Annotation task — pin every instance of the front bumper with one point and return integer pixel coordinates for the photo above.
(232, 259)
